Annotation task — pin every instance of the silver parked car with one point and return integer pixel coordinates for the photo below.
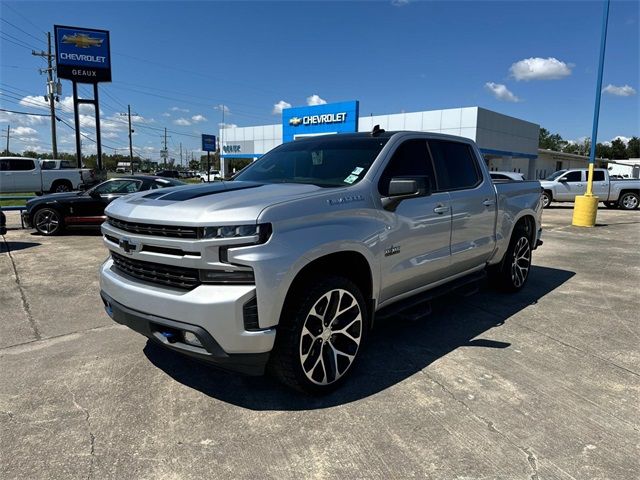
(285, 266)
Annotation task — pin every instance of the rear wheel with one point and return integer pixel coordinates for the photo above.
(61, 187)
(629, 201)
(546, 199)
(48, 221)
(512, 273)
(320, 336)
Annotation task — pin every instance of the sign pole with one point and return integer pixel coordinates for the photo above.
(586, 206)
(98, 141)
(208, 166)
(76, 119)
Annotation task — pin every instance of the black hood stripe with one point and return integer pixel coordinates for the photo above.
(189, 193)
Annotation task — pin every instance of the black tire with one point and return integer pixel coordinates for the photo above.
(48, 221)
(629, 201)
(612, 205)
(512, 273)
(61, 186)
(546, 199)
(202, 180)
(311, 353)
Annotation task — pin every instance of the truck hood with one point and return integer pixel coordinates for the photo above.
(221, 203)
(547, 183)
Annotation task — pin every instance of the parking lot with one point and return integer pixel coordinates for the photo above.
(543, 384)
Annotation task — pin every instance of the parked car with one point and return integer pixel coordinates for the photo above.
(51, 214)
(213, 176)
(21, 174)
(507, 176)
(168, 173)
(3, 223)
(286, 265)
(565, 185)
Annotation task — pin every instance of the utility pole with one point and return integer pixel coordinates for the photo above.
(164, 153)
(8, 134)
(53, 90)
(130, 141)
(181, 154)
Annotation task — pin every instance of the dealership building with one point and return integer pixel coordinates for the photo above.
(507, 143)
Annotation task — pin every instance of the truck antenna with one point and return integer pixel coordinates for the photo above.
(376, 131)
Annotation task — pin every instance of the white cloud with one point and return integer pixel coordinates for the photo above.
(222, 107)
(624, 91)
(315, 100)
(501, 92)
(178, 109)
(182, 122)
(278, 107)
(625, 140)
(399, 3)
(166, 114)
(227, 125)
(22, 131)
(198, 118)
(540, 69)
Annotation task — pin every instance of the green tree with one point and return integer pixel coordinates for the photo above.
(633, 148)
(603, 151)
(551, 141)
(618, 150)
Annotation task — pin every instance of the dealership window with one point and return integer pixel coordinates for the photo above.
(411, 159)
(558, 166)
(455, 165)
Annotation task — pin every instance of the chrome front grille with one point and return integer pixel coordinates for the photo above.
(158, 230)
(177, 277)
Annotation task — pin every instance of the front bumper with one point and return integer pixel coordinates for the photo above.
(217, 310)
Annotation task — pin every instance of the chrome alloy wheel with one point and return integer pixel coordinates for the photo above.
(47, 221)
(331, 336)
(521, 262)
(629, 201)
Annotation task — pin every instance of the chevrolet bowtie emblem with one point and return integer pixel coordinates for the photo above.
(81, 40)
(295, 121)
(127, 245)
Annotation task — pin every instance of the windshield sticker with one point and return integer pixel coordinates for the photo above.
(357, 171)
(350, 179)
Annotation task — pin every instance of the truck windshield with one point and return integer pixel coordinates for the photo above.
(326, 161)
(555, 175)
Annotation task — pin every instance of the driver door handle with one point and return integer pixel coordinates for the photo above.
(488, 202)
(441, 209)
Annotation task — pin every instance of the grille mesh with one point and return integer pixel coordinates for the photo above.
(178, 277)
(157, 230)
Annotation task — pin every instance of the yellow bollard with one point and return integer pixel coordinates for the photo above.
(585, 210)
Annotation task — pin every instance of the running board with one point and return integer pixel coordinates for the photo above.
(418, 306)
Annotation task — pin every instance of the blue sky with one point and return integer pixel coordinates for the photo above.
(177, 62)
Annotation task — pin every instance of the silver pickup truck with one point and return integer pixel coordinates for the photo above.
(564, 185)
(286, 266)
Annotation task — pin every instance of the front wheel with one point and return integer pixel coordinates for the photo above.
(629, 201)
(546, 199)
(320, 336)
(47, 221)
(512, 273)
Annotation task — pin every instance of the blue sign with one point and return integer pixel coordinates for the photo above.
(339, 117)
(82, 54)
(208, 143)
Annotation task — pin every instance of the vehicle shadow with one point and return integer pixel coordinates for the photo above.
(397, 349)
(10, 246)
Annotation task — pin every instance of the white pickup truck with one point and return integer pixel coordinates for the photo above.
(21, 174)
(564, 185)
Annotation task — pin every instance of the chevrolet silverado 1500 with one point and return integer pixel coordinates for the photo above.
(286, 266)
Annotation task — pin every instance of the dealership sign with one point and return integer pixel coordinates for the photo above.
(82, 54)
(339, 117)
(208, 143)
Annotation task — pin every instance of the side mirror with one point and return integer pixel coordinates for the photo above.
(402, 188)
(94, 194)
(563, 180)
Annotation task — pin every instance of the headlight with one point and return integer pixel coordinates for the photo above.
(235, 231)
(221, 277)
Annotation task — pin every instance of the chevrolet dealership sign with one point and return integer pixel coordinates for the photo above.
(328, 118)
(82, 54)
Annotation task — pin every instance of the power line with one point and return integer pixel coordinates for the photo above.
(24, 17)
(25, 113)
(23, 31)
(15, 43)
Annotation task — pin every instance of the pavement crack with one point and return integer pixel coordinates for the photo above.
(532, 460)
(23, 297)
(92, 437)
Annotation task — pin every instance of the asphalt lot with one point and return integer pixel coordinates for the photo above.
(539, 385)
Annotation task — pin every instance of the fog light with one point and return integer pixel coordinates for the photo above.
(191, 339)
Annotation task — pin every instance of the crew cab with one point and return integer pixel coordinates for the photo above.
(21, 174)
(565, 185)
(285, 267)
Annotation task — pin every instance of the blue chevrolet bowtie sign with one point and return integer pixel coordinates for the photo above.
(298, 122)
(208, 143)
(82, 54)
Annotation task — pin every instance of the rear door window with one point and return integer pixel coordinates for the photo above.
(455, 164)
(21, 164)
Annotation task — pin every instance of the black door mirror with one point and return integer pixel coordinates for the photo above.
(402, 188)
(94, 194)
